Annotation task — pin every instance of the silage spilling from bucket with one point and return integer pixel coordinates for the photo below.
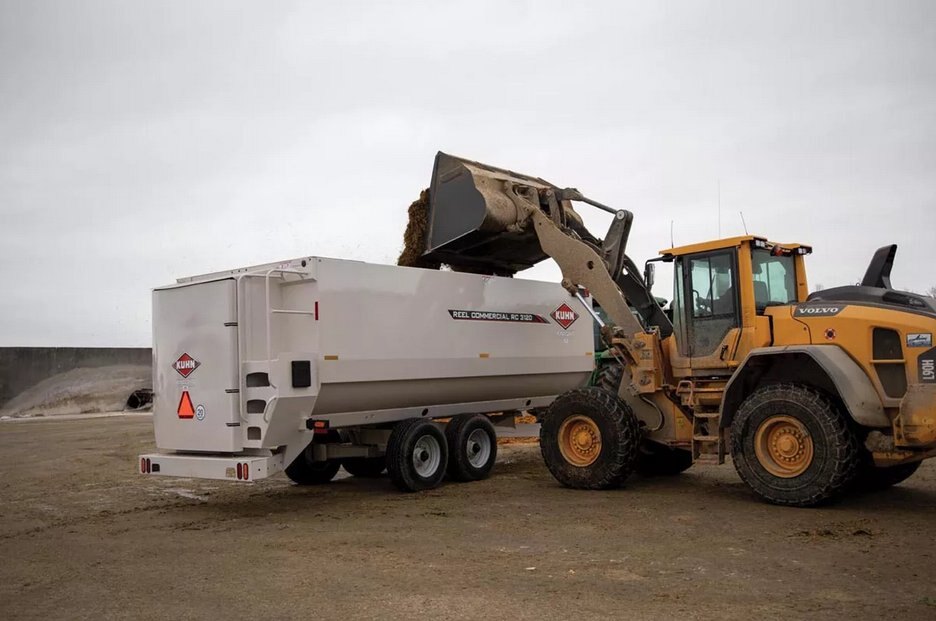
(416, 234)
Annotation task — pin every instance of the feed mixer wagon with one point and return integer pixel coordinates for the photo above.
(314, 363)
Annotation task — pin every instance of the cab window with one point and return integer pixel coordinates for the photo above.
(774, 279)
(712, 285)
(711, 300)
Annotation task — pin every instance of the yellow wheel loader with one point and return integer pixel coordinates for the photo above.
(811, 395)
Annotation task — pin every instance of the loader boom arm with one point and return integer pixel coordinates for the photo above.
(483, 218)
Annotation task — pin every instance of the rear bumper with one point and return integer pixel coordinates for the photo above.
(915, 425)
(241, 468)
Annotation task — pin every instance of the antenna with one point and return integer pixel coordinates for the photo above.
(719, 208)
(671, 242)
(743, 223)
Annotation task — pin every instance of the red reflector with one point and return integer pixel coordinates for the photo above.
(240, 472)
(185, 409)
(316, 311)
(246, 472)
(143, 465)
(148, 466)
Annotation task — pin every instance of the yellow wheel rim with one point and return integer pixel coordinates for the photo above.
(579, 441)
(783, 446)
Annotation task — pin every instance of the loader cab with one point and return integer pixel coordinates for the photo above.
(721, 292)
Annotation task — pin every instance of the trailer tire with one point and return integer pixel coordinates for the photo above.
(472, 443)
(365, 467)
(417, 454)
(305, 472)
(590, 439)
(793, 446)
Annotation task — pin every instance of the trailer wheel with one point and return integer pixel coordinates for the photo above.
(305, 472)
(472, 444)
(365, 467)
(659, 460)
(793, 446)
(590, 439)
(416, 455)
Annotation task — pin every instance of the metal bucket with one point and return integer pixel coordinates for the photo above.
(476, 219)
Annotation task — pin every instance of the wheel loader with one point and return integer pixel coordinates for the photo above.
(812, 395)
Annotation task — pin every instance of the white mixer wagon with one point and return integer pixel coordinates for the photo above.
(314, 363)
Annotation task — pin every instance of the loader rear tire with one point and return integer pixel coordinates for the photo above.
(417, 454)
(305, 472)
(589, 439)
(472, 443)
(365, 467)
(794, 446)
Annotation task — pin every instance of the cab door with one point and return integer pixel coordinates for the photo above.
(706, 308)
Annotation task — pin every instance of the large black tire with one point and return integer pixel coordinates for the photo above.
(658, 460)
(871, 478)
(472, 444)
(305, 472)
(609, 377)
(365, 467)
(587, 464)
(826, 449)
(417, 455)
(654, 459)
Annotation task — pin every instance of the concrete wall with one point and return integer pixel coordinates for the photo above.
(23, 367)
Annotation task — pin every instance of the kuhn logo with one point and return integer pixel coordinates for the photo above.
(185, 365)
(564, 316)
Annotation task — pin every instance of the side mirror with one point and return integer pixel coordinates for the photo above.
(649, 273)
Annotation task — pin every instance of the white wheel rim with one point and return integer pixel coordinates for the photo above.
(478, 448)
(427, 456)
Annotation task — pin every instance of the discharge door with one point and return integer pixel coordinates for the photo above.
(195, 361)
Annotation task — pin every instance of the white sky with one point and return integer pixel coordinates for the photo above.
(140, 142)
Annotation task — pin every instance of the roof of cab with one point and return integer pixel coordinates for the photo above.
(715, 244)
(727, 242)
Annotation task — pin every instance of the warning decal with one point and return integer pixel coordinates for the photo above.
(479, 315)
(186, 409)
(185, 365)
(564, 316)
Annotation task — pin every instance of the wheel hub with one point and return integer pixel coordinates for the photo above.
(427, 456)
(479, 448)
(783, 446)
(579, 440)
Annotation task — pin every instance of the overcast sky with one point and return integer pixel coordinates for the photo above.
(143, 141)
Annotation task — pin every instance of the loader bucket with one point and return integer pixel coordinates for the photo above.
(474, 224)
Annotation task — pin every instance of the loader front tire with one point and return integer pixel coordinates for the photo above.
(590, 439)
(305, 472)
(365, 467)
(872, 478)
(472, 443)
(659, 460)
(794, 446)
(417, 454)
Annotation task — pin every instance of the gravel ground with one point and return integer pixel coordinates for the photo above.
(83, 536)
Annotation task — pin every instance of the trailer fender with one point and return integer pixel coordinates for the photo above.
(825, 367)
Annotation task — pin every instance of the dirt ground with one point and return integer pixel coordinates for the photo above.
(83, 536)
